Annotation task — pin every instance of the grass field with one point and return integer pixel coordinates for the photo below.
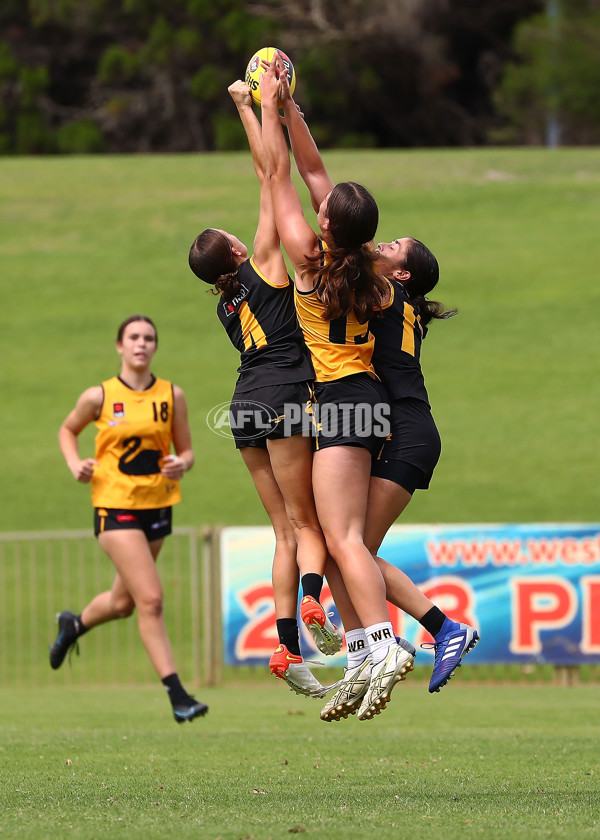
(469, 762)
(514, 380)
(515, 384)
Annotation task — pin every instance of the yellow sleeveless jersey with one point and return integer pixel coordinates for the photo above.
(340, 347)
(134, 434)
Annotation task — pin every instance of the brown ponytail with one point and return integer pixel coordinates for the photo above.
(211, 259)
(347, 278)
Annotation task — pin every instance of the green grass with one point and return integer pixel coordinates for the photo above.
(514, 382)
(514, 379)
(471, 762)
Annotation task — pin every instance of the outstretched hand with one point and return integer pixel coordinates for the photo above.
(270, 84)
(240, 93)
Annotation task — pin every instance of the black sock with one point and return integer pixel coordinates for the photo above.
(432, 620)
(312, 583)
(82, 628)
(177, 693)
(287, 630)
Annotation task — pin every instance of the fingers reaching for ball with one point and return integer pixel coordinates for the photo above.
(284, 82)
(269, 83)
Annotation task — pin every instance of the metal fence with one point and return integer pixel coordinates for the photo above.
(42, 573)
(46, 572)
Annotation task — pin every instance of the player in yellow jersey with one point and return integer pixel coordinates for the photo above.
(268, 412)
(338, 289)
(408, 458)
(134, 479)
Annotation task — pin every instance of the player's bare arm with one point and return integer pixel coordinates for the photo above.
(240, 93)
(306, 154)
(267, 253)
(174, 466)
(297, 237)
(87, 409)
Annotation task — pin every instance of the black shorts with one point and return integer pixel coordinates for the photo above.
(410, 456)
(352, 411)
(155, 524)
(271, 413)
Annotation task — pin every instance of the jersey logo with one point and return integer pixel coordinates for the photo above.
(138, 461)
(118, 410)
(230, 305)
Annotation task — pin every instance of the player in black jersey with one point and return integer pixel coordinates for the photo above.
(409, 457)
(270, 410)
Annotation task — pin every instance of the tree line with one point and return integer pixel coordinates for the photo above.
(83, 76)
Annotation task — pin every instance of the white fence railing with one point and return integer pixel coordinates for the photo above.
(42, 573)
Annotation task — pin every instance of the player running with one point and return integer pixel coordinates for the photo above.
(135, 482)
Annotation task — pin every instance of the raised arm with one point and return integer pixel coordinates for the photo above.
(240, 93)
(306, 154)
(267, 252)
(297, 237)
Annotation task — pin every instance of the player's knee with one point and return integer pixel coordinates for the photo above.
(335, 546)
(286, 539)
(342, 547)
(302, 524)
(123, 607)
(151, 604)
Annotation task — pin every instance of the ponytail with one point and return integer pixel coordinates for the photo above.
(211, 259)
(228, 286)
(430, 309)
(347, 281)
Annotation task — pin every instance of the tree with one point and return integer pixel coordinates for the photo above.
(152, 75)
(399, 72)
(122, 75)
(556, 72)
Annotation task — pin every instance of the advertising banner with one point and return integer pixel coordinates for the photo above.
(532, 591)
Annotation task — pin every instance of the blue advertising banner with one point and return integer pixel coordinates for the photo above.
(533, 591)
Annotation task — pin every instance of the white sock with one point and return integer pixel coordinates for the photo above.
(380, 638)
(358, 647)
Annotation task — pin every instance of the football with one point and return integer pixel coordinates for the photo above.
(254, 70)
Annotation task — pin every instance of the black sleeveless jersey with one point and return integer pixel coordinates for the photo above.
(398, 337)
(262, 324)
